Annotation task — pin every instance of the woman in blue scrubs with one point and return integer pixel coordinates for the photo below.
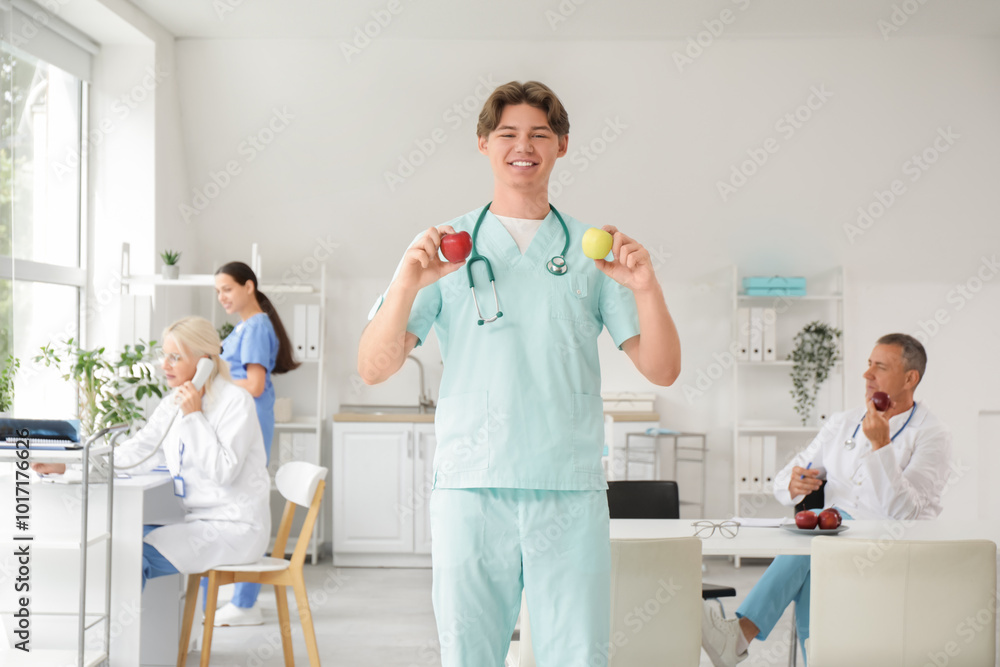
(257, 347)
(519, 499)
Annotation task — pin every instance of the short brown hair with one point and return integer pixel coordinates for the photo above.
(532, 93)
(914, 355)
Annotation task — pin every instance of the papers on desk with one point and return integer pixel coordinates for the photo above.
(753, 522)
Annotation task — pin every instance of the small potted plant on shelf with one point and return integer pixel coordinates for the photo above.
(171, 269)
(816, 350)
(109, 389)
(7, 385)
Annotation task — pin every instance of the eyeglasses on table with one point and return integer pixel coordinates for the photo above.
(705, 529)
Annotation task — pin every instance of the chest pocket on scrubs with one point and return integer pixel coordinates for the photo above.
(571, 300)
(462, 429)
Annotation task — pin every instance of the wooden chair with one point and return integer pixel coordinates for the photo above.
(302, 484)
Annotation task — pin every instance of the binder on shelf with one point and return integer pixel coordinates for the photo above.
(756, 463)
(756, 334)
(299, 331)
(770, 460)
(743, 334)
(743, 464)
(770, 322)
(312, 331)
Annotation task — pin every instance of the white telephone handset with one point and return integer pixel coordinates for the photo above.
(204, 369)
(201, 375)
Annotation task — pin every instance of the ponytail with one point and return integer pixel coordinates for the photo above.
(242, 273)
(285, 361)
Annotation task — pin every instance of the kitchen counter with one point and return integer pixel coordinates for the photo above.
(386, 417)
(414, 417)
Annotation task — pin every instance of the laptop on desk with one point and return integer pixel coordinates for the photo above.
(41, 434)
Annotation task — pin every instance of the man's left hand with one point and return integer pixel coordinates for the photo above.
(876, 428)
(632, 267)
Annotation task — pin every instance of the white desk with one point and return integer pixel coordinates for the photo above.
(770, 542)
(144, 626)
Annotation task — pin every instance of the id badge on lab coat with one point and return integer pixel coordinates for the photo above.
(179, 486)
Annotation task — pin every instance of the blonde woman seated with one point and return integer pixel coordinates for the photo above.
(215, 452)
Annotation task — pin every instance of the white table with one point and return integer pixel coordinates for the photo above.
(770, 542)
(144, 626)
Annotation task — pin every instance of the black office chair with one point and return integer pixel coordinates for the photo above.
(814, 501)
(656, 499)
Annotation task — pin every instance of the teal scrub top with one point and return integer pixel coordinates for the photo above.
(520, 399)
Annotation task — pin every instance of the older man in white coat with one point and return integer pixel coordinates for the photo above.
(876, 465)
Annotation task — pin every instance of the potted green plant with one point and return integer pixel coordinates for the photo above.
(817, 349)
(171, 269)
(225, 330)
(10, 367)
(110, 389)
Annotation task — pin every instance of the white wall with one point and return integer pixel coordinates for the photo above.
(343, 125)
(136, 164)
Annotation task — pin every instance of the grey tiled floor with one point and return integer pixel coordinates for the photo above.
(383, 617)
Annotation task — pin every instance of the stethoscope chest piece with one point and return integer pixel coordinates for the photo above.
(557, 266)
(849, 443)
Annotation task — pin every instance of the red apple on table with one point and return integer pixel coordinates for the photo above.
(829, 519)
(456, 247)
(881, 401)
(806, 520)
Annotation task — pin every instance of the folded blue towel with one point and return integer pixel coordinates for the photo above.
(661, 431)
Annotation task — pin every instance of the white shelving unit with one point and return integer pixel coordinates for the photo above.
(282, 295)
(762, 403)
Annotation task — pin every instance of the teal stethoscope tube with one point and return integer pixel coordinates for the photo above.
(850, 442)
(556, 266)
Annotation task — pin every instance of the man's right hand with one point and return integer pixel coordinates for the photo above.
(421, 264)
(803, 486)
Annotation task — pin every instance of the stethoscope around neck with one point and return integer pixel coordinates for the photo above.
(851, 442)
(557, 265)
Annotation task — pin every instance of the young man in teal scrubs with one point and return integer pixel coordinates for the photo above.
(519, 496)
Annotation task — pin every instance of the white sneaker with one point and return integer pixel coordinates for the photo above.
(231, 615)
(718, 637)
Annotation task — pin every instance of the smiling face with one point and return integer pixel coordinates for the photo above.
(233, 297)
(887, 372)
(523, 148)
(178, 364)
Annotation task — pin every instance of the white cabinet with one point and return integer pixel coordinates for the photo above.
(382, 478)
(423, 482)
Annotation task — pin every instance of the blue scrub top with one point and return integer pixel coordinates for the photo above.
(520, 400)
(253, 341)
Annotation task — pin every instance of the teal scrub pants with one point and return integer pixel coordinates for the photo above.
(489, 544)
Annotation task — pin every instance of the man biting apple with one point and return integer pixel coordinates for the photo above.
(890, 464)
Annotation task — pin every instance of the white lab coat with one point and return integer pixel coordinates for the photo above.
(903, 480)
(225, 477)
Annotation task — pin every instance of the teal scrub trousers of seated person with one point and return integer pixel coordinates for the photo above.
(786, 580)
(488, 544)
(153, 563)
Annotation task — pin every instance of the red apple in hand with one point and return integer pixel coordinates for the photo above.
(456, 247)
(881, 401)
(806, 520)
(829, 519)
